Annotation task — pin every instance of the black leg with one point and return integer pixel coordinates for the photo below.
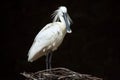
(47, 56)
(48, 60)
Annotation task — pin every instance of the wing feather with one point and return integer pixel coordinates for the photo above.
(48, 36)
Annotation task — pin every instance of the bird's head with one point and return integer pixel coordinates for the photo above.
(62, 12)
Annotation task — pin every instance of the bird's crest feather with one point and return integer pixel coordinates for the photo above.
(56, 15)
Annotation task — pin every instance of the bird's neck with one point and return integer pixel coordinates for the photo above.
(62, 20)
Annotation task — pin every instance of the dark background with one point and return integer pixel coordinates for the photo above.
(92, 48)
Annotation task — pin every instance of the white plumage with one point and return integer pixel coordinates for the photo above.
(51, 36)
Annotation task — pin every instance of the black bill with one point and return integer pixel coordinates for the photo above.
(67, 23)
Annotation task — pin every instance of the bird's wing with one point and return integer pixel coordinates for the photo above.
(45, 41)
(46, 27)
(49, 33)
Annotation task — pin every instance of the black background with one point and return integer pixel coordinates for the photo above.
(92, 48)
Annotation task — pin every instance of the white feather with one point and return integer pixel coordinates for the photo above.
(49, 38)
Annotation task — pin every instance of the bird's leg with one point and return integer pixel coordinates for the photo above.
(48, 60)
(48, 64)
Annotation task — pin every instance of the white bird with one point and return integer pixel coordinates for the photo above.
(51, 36)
